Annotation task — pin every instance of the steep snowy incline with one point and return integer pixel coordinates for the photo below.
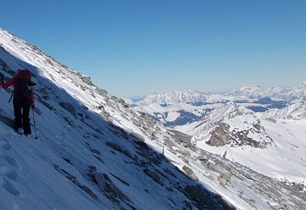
(91, 152)
(94, 152)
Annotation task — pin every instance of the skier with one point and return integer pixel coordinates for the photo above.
(23, 99)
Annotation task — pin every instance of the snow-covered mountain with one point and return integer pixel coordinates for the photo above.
(272, 143)
(257, 92)
(172, 113)
(231, 125)
(187, 96)
(249, 93)
(298, 92)
(294, 111)
(94, 152)
(183, 107)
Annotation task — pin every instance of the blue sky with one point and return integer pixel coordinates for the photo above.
(136, 47)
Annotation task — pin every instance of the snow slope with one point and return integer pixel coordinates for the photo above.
(91, 152)
(95, 152)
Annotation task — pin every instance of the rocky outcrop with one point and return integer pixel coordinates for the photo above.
(224, 135)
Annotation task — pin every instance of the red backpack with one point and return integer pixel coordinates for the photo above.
(24, 85)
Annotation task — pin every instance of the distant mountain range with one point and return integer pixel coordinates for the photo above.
(262, 128)
(249, 93)
(182, 107)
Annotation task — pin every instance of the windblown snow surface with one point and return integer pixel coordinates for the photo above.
(94, 152)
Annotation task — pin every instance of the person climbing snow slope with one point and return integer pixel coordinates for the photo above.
(23, 99)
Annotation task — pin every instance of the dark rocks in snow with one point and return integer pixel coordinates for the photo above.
(137, 137)
(84, 107)
(204, 199)
(169, 173)
(189, 172)
(95, 151)
(168, 143)
(111, 191)
(124, 104)
(296, 186)
(74, 180)
(145, 153)
(121, 180)
(224, 179)
(87, 190)
(95, 136)
(99, 159)
(44, 102)
(153, 175)
(67, 160)
(87, 80)
(118, 148)
(91, 172)
(118, 131)
(68, 107)
(222, 135)
(69, 121)
(45, 91)
(182, 138)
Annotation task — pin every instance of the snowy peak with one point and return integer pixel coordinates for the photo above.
(232, 125)
(227, 112)
(175, 97)
(298, 92)
(295, 111)
(249, 91)
(257, 92)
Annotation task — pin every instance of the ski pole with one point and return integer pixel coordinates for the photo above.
(1, 79)
(35, 131)
(11, 97)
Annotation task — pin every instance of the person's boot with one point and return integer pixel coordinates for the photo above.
(20, 131)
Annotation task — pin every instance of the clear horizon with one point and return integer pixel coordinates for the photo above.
(134, 48)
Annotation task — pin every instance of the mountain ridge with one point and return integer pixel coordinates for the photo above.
(250, 92)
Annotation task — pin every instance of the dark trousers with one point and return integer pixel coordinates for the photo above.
(21, 112)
